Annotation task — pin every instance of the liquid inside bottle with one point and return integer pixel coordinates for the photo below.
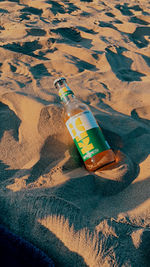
(86, 133)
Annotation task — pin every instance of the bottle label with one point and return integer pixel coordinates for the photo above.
(86, 134)
(64, 91)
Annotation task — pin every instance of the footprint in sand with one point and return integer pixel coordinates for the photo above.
(142, 114)
(88, 1)
(36, 32)
(124, 9)
(137, 20)
(138, 36)
(72, 36)
(31, 10)
(67, 6)
(3, 11)
(39, 70)
(82, 65)
(27, 13)
(107, 25)
(57, 8)
(121, 65)
(26, 48)
(70, 33)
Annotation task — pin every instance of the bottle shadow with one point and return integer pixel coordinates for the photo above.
(115, 177)
(51, 151)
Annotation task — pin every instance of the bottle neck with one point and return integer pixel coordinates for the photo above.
(65, 93)
(68, 98)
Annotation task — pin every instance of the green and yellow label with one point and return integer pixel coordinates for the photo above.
(65, 91)
(87, 135)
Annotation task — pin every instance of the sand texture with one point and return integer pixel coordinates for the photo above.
(78, 218)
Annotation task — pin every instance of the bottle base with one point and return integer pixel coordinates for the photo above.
(100, 160)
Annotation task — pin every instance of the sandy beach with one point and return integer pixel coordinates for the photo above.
(47, 197)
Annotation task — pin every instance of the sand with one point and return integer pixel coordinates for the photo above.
(46, 195)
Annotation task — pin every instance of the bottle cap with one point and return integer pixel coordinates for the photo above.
(59, 80)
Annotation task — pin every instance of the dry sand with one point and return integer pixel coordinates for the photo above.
(46, 195)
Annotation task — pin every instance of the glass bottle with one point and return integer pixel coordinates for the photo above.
(86, 133)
